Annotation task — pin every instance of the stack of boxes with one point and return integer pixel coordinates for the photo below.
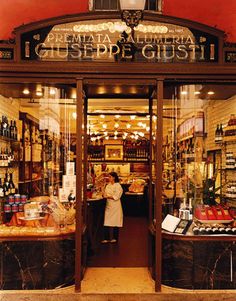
(68, 182)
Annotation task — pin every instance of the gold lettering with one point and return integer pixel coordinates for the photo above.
(106, 39)
(62, 52)
(112, 48)
(40, 52)
(101, 47)
(189, 40)
(76, 48)
(90, 39)
(88, 47)
(167, 50)
(202, 57)
(99, 35)
(50, 37)
(182, 48)
(193, 53)
(145, 48)
(126, 48)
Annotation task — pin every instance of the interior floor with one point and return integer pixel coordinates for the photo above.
(117, 280)
(130, 251)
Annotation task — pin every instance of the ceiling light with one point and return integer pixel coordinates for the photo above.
(210, 92)
(104, 125)
(107, 137)
(115, 137)
(39, 93)
(26, 91)
(128, 125)
(132, 117)
(52, 91)
(105, 133)
(117, 116)
(184, 92)
(197, 92)
(74, 115)
(102, 116)
(116, 125)
(140, 124)
(116, 133)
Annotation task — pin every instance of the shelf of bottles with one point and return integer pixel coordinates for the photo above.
(225, 137)
(136, 150)
(30, 172)
(96, 152)
(132, 151)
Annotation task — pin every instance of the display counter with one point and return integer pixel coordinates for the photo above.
(198, 262)
(37, 262)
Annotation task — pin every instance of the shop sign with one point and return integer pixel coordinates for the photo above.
(230, 56)
(113, 41)
(6, 54)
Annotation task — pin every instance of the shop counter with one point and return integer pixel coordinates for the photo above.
(199, 262)
(31, 261)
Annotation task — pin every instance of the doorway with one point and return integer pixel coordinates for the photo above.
(121, 120)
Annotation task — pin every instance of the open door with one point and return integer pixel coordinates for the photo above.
(122, 118)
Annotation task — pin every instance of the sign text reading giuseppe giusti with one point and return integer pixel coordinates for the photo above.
(113, 41)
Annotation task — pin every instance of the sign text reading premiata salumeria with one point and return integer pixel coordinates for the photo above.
(150, 43)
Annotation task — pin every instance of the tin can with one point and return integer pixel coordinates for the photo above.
(7, 208)
(21, 207)
(17, 198)
(23, 198)
(14, 208)
(11, 199)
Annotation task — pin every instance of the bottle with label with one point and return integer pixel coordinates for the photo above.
(217, 133)
(182, 210)
(190, 208)
(1, 189)
(5, 185)
(11, 186)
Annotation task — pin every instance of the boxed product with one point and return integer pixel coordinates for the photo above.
(70, 168)
(68, 181)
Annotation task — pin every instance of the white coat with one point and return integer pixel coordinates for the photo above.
(113, 212)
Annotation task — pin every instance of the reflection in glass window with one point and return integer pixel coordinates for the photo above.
(199, 152)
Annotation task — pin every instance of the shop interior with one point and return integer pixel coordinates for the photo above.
(38, 161)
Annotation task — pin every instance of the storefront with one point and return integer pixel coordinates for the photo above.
(83, 94)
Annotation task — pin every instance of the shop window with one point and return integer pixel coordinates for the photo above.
(154, 5)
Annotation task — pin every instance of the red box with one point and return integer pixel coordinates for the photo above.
(200, 213)
(210, 213)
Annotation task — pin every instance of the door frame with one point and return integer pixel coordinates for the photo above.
(81, 170)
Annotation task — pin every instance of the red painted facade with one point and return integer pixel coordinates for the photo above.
(218, 13)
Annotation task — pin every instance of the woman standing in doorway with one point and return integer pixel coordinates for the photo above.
(113, 219)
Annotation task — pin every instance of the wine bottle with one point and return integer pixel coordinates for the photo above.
(11, 186)
(217, 131)
(11, 129)
(14, 130)
(1, 189)
(5, 185)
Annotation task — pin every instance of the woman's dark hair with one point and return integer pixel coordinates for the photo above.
(115, 176)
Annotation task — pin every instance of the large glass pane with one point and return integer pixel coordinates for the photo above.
(37, 185)
(199, 156)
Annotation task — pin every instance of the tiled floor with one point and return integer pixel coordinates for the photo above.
(117, 280)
